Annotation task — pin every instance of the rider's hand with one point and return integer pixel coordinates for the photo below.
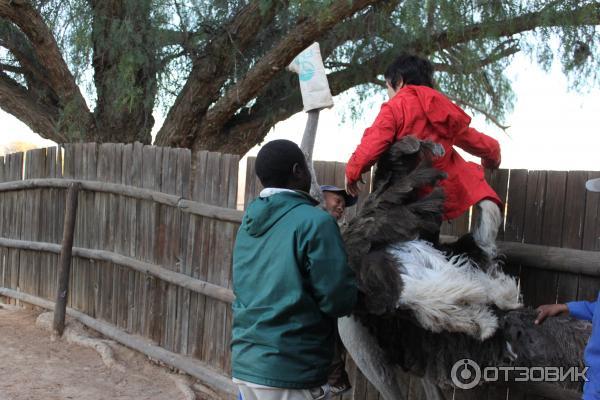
(353, 188)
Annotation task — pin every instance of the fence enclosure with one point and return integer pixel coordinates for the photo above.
(169, 237)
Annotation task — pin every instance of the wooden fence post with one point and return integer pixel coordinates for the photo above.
(64, 260)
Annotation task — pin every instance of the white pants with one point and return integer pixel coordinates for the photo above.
(250, 391)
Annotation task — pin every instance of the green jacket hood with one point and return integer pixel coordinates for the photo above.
(264, 212)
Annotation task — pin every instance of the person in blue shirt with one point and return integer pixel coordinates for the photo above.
(588, 311)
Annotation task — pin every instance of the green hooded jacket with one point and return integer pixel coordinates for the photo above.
(291, 281)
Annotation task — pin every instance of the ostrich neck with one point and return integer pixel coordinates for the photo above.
(307, 146)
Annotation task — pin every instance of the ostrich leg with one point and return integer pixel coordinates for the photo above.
(370, 358)
(432, 391)
(487, 225)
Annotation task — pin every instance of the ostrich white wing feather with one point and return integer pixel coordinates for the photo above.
(451, 294)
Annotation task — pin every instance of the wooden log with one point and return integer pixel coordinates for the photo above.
(204, 210)
(65, 259)
(533, 256)
(209, 211)
(547, 257)
(552, 258)
(184, 281)
(188, 365)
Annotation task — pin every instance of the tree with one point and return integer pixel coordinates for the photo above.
(95, 70)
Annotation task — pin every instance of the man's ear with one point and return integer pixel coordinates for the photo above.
(296, 170)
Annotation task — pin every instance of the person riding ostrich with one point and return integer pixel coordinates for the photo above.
(416, 108)
(424, 306)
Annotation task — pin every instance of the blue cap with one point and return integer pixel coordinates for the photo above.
(350, 200)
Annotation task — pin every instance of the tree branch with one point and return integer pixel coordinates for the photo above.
(211, 70)
(172, 37)
(18, 45)
(480, 110)
(31, 23)
(492, 58)
(359, 27)
(11, 68)
(22, 14)
(18, 101)
(306, 32)
(589, 13)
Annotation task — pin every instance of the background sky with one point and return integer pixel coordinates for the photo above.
(551, 127)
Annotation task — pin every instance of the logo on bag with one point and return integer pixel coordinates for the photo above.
(307, 71)
(307, 68)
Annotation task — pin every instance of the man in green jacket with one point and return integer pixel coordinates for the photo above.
(291, 281)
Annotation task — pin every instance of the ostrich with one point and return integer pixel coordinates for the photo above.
(424, 306)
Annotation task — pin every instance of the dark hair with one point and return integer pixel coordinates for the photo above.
(275, 161)
(411, 69)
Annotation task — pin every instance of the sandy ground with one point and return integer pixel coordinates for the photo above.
(32, 367)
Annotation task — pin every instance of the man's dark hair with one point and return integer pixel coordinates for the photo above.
(275, 161)
(410, 69)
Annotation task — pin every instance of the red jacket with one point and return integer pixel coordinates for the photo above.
(427, 114)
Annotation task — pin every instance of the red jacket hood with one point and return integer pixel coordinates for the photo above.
(446, 117)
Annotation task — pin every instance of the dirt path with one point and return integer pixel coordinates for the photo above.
(32, 367)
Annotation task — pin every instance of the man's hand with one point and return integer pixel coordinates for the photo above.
(353, 189)
(550, 310)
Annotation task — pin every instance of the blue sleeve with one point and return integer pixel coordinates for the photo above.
(582, 309)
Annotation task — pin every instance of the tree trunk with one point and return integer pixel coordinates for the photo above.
(125, 69)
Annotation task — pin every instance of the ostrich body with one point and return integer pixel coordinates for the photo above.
(425, 306)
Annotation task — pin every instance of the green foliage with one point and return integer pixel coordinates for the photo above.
(71, 23)
(172, 35)
(560, 31)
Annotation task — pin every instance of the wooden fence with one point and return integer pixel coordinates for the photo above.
(154, 237)
(156, 234)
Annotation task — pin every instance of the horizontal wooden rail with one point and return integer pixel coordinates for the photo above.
(553, 258)
(187, 282)
(559, 259)
(189, 365)
(543, 257)
(529, 255)
(188, 206)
